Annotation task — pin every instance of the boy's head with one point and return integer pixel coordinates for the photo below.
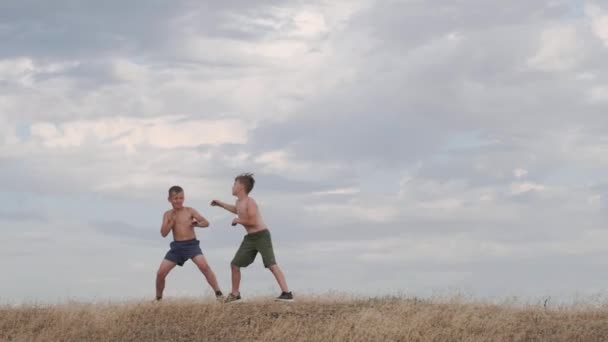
(176, 196)
(243, 184)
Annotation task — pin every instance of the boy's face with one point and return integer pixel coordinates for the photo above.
(237, 187)
(177, 200)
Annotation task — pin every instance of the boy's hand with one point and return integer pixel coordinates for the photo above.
(171, 219)
(168, 223)
(218, 203)
(235, 221)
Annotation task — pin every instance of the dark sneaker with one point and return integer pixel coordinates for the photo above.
(285, 297)
(219, 296)
(232, 298)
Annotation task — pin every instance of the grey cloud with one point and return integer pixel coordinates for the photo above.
(405, 115)
(282, 184)
(17, 215)
(77, 30)
(125, 230)
(411, 22)
(69, 28)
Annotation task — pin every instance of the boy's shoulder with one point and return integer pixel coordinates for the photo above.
(190, 209)
(246, 201)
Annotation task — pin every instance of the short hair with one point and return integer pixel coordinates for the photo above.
(174, 190)
(247, 180)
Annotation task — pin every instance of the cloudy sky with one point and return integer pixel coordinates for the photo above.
(409, 146)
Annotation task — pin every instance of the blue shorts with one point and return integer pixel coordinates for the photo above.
(182, 251)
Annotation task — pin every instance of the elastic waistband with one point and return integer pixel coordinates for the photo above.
(185, 242)
(256, 234)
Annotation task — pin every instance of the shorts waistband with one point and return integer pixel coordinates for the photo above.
(185, 242)
(256, 234)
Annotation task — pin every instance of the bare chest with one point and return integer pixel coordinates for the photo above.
(183, 218)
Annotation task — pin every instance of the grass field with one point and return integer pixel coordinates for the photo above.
(309, 319)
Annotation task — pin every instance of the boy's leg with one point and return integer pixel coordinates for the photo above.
(201, 262)
(244, 256)
(264, 245)
(279, 276)
(165, 267)
(236, 279)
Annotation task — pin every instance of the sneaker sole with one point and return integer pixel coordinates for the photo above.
(284, 300)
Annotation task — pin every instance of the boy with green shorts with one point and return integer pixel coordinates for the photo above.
(257, 239)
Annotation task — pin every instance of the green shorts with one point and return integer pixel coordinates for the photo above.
(251, 245)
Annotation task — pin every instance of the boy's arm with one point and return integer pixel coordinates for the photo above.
(218, 203)
(200, 220)
(168, 222)
(247, 218)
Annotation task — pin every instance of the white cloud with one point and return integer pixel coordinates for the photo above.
(283, 162)
(520, 173)
(585, 76)
(442, 204)
(23, 70)
(599, 22)
(127, 70)
(309, 24)
(354, 212)
(594, 200)
(464, 248)
(576, 145)
(340, 191)
(598, 94)
(559, 50)
(519, 188)
(8, 135)
(130, 133)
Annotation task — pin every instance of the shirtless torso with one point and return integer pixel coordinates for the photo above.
(249, 214)
(182, 221)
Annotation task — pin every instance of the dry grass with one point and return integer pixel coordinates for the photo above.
(384, 319)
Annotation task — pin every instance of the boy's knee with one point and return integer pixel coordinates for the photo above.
(235, 267)
(161, 274)
(204, 268)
